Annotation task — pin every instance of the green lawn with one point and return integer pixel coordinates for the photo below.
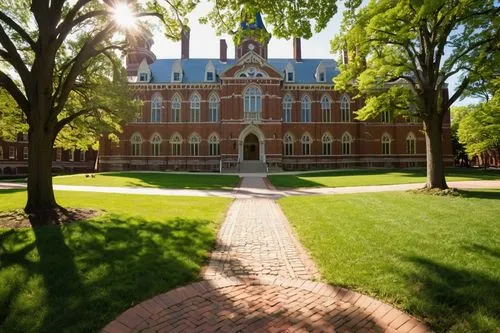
(436, 257)
(78, 277)
(374, 177)
(144, 179)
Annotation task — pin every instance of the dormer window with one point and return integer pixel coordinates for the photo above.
(177, 76)
(210, 72)
(320, 73)
(143, 77)
(321, 77)
(144, 72)
(177, 71)
(289, 73)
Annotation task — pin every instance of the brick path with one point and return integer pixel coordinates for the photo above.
(260, 279)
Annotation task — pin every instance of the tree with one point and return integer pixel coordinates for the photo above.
(401, 54)
(479, 129)
(47, 52)
(287, 18)
(458, 149)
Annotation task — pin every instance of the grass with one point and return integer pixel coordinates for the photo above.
(159, 179)
(374, 177)
(78, 277)
(436, 257)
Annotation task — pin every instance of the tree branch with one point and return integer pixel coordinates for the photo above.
(12, 56)
(11, 23)
(459, 91)
(9, 85)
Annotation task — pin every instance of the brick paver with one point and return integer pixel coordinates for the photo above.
(260, 279)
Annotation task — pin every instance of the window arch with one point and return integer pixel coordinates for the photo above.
(385, 116)
(194, 144)
(345, 109)
(155, 144)
(411, 144)
(305, 114)
(346, 144)
(213, 108)
(306, 144)
(214, 145)
(253, 99)
(326, 142)
(176, 109)
(139, 105)
(156, 104)
(136, 143)
(195, 108)
(288, 144)
(176, 142)
(287, 108)
(386, 144)
(326, 109)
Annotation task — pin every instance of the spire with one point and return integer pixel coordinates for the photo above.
(252, 36)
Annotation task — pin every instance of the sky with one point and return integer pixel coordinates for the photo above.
(204, 43)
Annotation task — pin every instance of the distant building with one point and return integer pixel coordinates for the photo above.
(252, 111)
(14, 158)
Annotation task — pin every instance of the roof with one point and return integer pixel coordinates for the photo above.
(194, 69)
(258, 24)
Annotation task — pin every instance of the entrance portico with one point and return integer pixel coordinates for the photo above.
(251, 145)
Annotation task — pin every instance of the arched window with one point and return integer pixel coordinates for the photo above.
(306, 144)
(326, 109)
(156, 103)
(194, 145)
(386, 144)
(155, 144)
(195, 108)
(346, 144)
(213, 109)
(176, 109)
(326, 141)
(214, 145)
(305, 114)
(411, 144)
(287, 108)
(288, 144)
(136, 142)
(385, 116)
(176, 142)
(253, 100)
(345, 109)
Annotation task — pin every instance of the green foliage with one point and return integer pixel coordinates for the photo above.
(287, 18)
(390, 41)
(436, 257)
(11, 118)
(479, 129)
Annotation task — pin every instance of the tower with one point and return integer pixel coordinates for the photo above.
(139, 49)
(254, 38)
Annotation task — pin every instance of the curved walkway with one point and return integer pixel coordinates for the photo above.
(260, 279)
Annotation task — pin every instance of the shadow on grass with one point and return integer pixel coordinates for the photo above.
(78, 277)
(454, 299)
(480, 194)
(182, 181)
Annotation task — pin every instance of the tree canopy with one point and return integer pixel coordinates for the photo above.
(402, 53)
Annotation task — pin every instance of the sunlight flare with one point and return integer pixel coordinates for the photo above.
(124, 16)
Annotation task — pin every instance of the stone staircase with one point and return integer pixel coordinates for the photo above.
(252, 167)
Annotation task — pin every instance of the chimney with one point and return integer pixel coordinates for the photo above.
(345, 57)
(185, 42)
(297, 50)
(223, 50)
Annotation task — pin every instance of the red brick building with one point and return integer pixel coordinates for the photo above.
(14, 158)
(244, 113)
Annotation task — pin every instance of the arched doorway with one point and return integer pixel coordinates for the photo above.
(251, 148)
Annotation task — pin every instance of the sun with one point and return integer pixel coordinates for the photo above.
(124, 16)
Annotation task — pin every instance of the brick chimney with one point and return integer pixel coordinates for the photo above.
(297, 49)
(345, 57)
(223, 50)
(185, 42)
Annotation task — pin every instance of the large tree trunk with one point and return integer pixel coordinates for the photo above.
(41, 200)
(434, 146)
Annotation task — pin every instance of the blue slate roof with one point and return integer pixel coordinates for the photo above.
(258, 24)
(194, 69)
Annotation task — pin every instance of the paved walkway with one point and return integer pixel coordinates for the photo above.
(260, 279)
(247, 190)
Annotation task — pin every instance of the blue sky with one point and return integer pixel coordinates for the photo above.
(205, 44)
